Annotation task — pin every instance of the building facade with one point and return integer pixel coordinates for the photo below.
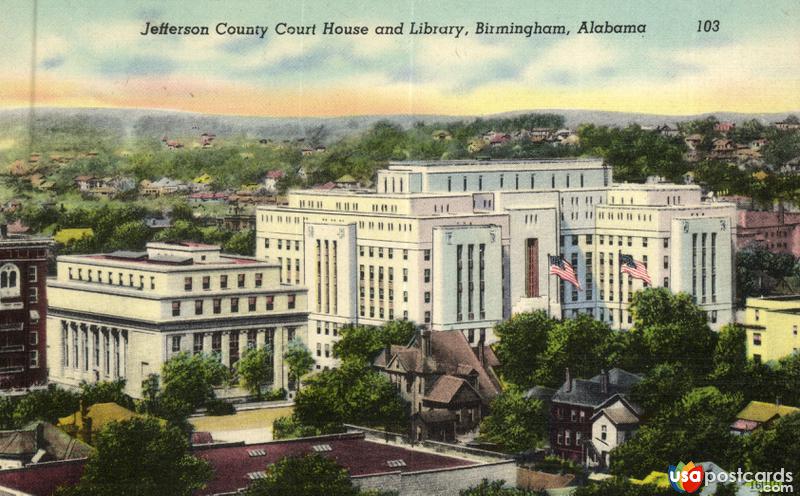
(23, 310)
(778, 232)
(772, 324)
(123, 314)
(464, 244)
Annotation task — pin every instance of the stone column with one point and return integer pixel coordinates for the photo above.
(242, 343)
(123, 353)
(226, 349)
(260, 338)
(207, 343)
(280, 371)
(71, 336)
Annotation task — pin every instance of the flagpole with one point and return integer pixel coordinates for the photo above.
(619, 269)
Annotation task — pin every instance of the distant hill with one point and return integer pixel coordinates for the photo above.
(157, 123)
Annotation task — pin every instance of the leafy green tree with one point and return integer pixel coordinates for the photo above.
(775, 447)
(242, 243)
(671, 329)
(255, 369)
(696, 428)
(515, 422)
(105, 392)
(352, 393)
(299, 360)
(364, 343)
(582, 344)
(730, 358)
(620, 486)
(151, 387)
(662, 387)
(137, 457)
(48, 405)
(190, 379)
(131, 235)
(181, 230)
(522, 342)
(498, 488)
(309, 475)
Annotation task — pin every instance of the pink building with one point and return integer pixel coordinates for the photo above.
(778, 232)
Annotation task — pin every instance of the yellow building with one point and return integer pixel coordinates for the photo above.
(772, 325)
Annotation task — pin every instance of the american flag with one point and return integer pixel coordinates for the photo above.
(564, 270)
(634, 268)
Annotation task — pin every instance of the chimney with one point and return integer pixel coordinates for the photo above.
(568, 380)
(604, 382)
(481, 348)
(426, 342)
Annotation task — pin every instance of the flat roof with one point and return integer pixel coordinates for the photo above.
(402, 165)
(359, 456)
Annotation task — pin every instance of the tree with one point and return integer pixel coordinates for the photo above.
(730, 358)
(620, 486)
(105, 392)
(364, 343)
(255, 369)
(48, 405)
(582, 344)
(131, 235)
(138, 456)
(522, 341)
(775, 448)
(498, 488)
(662, 387)
(189, 379)
(299, 360)
(670, 328)
(515, 423)
(352, 393)
(309, 475)
(696, 428)
(151, 387)
(242, 243)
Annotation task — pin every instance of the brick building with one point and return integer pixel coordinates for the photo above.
(23, 309)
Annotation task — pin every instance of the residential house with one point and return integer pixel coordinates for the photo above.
(723, 148)
(201, 183)
(271, 180)
(88, 182)
(38, 442)
(579, 403)
(164, 186)
(614, 423)
(667, 131)
(724, 127)
(788, 125)
(448, 383)
(772, 324)
(757, 414)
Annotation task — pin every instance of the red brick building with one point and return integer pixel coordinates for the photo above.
(778, 232)
(23, 310)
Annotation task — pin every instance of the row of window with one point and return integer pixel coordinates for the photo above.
(601, 239)
(519, 181)
(233, 304)
(223, 280)
(283, 243)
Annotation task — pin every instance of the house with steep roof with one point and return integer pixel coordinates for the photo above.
(579, 403)
(38, 442)
(614, 423)
(448, 383)
(757, 414)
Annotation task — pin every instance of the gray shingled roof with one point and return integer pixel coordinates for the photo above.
(587, 392)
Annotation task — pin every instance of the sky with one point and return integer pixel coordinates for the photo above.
(91, 54)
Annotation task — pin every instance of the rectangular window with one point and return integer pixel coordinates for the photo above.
(217, 305)
(291, 299)
(259, 279)
(197, 345)
(427, 275)
(756, 339)
(206, 282)
(34, 362)
(187, 283)
(198, 307)
(240, 280)
(33, 295)
(234, 305)
(427, 255)
(223, 282)
(32, 273)
(176, 308)
(216, 343)
(270, 302)
(251, 304)
(176, 344)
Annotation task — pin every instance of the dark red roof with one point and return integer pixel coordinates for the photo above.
(43, 479)
(232, 464)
